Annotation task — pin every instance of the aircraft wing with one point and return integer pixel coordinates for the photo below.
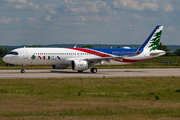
(99, 60)
(104, 58)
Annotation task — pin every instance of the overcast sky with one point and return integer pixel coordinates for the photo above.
(29, 22)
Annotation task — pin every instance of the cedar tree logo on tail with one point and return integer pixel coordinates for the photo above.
(155, 42)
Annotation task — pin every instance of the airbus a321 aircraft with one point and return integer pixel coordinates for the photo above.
(81, 59)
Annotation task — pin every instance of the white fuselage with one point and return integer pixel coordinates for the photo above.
(57, 56)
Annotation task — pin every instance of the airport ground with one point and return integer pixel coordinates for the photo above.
(44, 94)
(110, 94)
(90, 98)
(68, 73)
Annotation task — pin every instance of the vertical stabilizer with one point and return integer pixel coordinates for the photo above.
(152, 42)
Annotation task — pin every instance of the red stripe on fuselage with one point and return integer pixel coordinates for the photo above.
(105, 55)
(91, 52)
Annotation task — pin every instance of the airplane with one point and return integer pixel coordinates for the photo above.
(81, 59)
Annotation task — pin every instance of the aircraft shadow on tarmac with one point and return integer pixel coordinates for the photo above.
(53, 71)
(39, 71)
(134, 71)
(99, 72)
(116, 71)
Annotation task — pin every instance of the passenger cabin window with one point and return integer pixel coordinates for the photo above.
(14, 53)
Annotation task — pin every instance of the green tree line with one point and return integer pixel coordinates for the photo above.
(168, 52)
(3, 51)
(35, 46)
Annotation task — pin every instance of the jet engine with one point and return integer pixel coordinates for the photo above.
(79, 65)
(60, 66)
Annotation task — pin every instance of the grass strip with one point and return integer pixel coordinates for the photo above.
(90, 98)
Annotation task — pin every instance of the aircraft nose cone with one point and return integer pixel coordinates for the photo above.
(5, 59)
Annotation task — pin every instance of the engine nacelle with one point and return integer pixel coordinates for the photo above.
(60, 66)
(79, 65)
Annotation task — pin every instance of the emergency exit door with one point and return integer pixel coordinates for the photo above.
(25, 54)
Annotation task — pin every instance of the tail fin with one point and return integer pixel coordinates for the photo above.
(75, 46)
(152, 42)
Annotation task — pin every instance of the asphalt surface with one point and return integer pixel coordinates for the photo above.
(68, 73)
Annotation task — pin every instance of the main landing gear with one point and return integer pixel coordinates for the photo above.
(23, 71)
(93, 70)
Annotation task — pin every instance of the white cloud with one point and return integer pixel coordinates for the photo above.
(142, 5)
(94, 18)
(119, 18)
(52, 12)
(171, 28)
(84, 7)
(9, 20)
(46, 6)
(135, 5)
(115, 3)
(80, 19)
(143, 19)
(131, 4)
(30, 19)
(151, 6)
(5, 21)
(29, 5)
(50, 8)
(18, 1)
(18, 6)
(139, 17)
(48, 18)
(90, 18)
(168, 7)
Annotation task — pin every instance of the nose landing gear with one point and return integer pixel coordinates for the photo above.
(23, 71)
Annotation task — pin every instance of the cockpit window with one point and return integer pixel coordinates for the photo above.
(14, 53)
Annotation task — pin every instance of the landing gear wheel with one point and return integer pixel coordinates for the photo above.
(93, 70)
(22, 71)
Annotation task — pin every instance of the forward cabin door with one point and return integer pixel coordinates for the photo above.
(25, 54)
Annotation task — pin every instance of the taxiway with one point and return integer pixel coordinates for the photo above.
(47, 73)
